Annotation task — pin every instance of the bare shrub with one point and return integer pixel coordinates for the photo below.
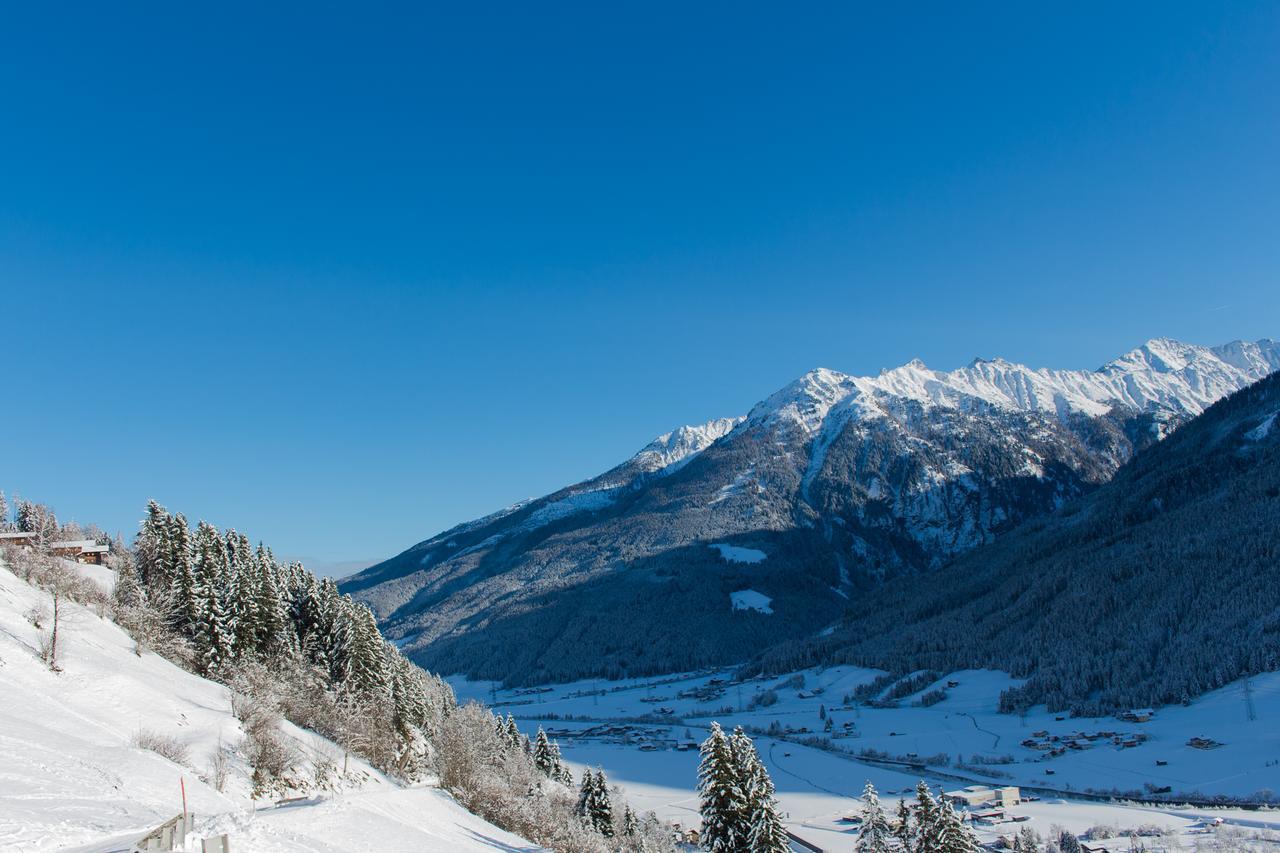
(270, 753)
(168, 746)
(218, 767)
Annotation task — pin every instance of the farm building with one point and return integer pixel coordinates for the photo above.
(977, 795)
(80, 550)
(19, 537)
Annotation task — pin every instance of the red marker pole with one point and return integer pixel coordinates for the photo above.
(183, 783)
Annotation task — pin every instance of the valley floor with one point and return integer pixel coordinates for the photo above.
(959, 741)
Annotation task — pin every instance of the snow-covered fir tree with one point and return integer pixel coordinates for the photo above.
(925, 816)
(559, 770)
(953, 835)
(600, 805)
(904, 830)
(630, 823)
(874, 835)
(764, 830)
(1026, 841)
(1068, 843)
(542, 754)
(722, 802)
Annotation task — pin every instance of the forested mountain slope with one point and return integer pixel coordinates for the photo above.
(1159, 586)
(822, 490)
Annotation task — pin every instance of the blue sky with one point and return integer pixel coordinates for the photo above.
(342, 278)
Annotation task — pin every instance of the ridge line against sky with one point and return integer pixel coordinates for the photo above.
(343, 279)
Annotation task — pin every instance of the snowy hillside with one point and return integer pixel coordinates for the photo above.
(72, 778)
(840, 481)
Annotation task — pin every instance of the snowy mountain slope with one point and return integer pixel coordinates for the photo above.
(1159, 586)
(71, 778)
(840, 480)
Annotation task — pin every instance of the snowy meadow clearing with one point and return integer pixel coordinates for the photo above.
(643, 733)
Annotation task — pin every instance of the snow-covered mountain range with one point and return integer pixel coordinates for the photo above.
(838, 480)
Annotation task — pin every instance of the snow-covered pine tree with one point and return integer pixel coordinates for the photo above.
(630, 823)
(513, 732)
(720, 795)
(542, 753)
(4, 513)
(128, 590)
(584, 794)
(38, 519)
(1026, 841)
(764, 830)
(367, 670)
(953, 835)
(600, 805)
(926, 817)
(1068, 843)
(903, 829)
(186, 603)
(560, 771)
(151, 548)
(243, 597)
(214, 637)
(875, 835)
(269, 611)
(236, 588)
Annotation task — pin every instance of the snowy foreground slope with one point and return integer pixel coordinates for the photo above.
(70, 777)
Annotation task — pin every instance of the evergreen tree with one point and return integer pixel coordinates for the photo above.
(151, 548)
(630, 824)
(542, 753)
(1068, 843)
(763, 827)
(599, 806)
(4, 513)
(127, 591)
(366, 670)
(927, 818)
(38, 519)
(584, 794)
(953, 835)
(875, 835)
(187, 605)
(560, 771)
(513, 732)
(1026, 841)
(214, 637)
(903, 829)
(722, 801)
(269, 612)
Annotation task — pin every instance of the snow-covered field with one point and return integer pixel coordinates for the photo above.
(70, 777)
(961, 740)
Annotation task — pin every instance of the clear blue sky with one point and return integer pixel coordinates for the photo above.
(344, 278)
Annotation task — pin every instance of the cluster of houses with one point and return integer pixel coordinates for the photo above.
(707, 693)
(1136, 715)
(646, 738)
(80, 550)
(1056, 745)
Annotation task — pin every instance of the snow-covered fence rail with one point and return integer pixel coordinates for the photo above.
(216, 844)
(164, 837)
